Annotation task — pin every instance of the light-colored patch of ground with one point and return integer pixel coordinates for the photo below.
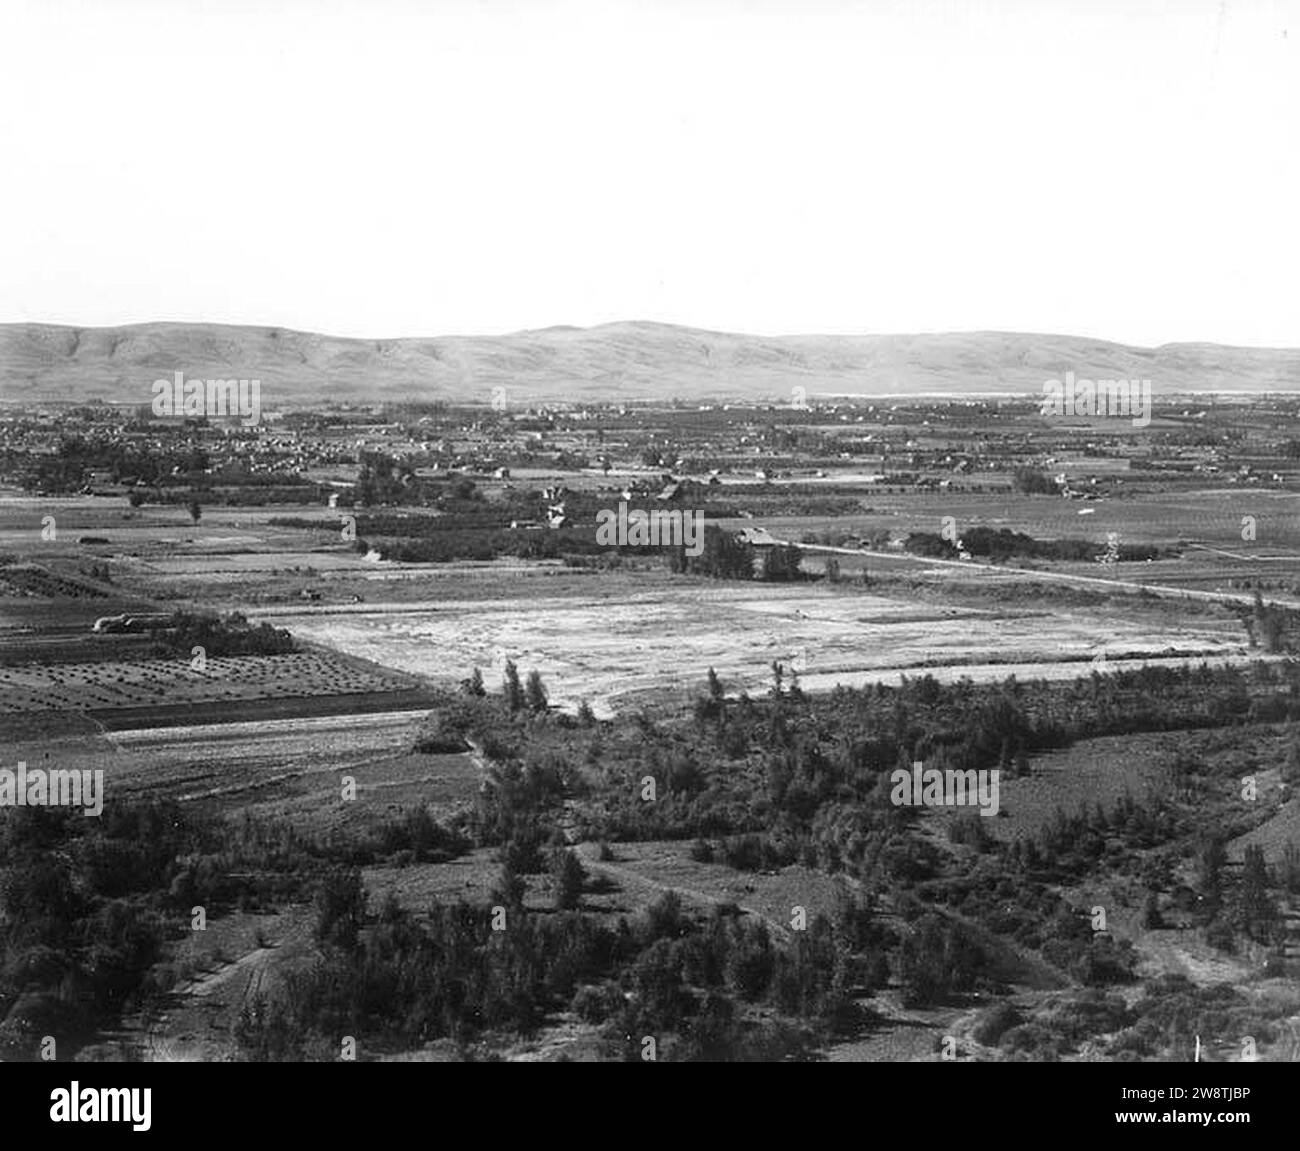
(1184, 953)
(563, 1040)
(630, 646)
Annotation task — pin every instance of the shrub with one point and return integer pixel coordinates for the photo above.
(1219, 935)
(1030, 1039)
(340, 905)
(996, 1022)
(596, 1004)
(969, 831)
(569, 878)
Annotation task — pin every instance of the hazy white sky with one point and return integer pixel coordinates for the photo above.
(1125, 169)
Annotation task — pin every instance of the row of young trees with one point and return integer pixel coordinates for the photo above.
(517, 696)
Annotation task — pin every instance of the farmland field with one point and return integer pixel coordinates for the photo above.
(288, 768)
(116, 685)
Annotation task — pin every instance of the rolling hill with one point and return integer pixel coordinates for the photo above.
(612, 362)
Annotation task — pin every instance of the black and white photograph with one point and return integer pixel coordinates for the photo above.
(638, 531)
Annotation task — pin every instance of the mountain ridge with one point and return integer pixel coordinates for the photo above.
(620, 360)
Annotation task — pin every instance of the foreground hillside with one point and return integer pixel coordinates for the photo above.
(611, 362)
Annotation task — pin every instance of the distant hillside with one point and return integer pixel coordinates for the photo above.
(626, 361)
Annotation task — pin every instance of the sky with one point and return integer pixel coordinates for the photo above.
(1128, 170)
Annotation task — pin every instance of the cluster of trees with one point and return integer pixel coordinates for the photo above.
(1270, 625)
(1164, 1021)
(781, 564)
(937, 959)
(398, 838)
(1072, 845)
(395, 982)
(482, 545)
(1244, 908)
(231, 635)
(81, 925)
(725, 556)
(1007, 893)
(1032, 482)
(810, 776)
(384, 480)
(799, 779)
(169, 475)
(1002, 544)
(231, 491)
(88, 906)
(403, 983)
(1172, 1013)
(68, 468)
(516, 696)
(695, 980)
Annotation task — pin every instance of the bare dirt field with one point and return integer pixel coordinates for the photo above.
(637, 643)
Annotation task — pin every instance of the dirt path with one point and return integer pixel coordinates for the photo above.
(197, 1021)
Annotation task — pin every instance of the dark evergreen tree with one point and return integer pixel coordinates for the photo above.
(536, 693)
(513, 691)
